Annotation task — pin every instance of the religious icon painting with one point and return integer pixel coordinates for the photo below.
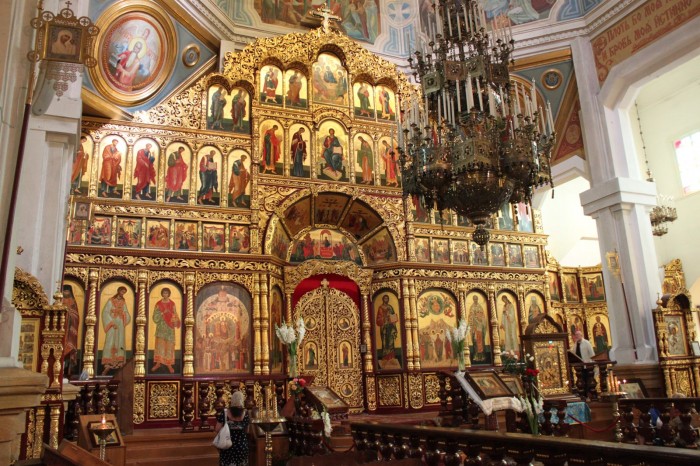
(76, 231)
(364, 159)
(479, 338)
(363, 97)
(505, 217)
(422, 246)
(324, 244)
(363, 23)
(299, 153)
(29, 345)
(379, 248)
(345, 357)
(478, 255)
(239, 179)
(443, 218)
(115, 326)
(419, 210)
(388, 156)
(185, 236)
(296, 90)
(218, 108)
(599, 333)
(386, 103)
(145, 163)
(534, 306)
(676, 335)
(332, 141)
(129, 232)
(271, 85)
(532, 257)
(81, 167)
(298, 216)
(437, 315)
(110, 182)
(575, 323)
(209, 176)
(571, 288)
(329, 207)
(463, 221)
(223, 341)
(460, 252)
(164, 349)
(508, 322)
(387, 331)
(177, 179)
(498, 256)
(515, 255)
(360, 219)
(100, 231)
(553, 280)
(136, 49)
(593, 288)
(157, 234)
(74, 300)
(271, 139)
(213, 237)
(239, 239)
(276, 318)
(279, 239)
(239, 111)
(330, 81)
(64, 43)
(310, 356)
(441, 251)
(524, 215)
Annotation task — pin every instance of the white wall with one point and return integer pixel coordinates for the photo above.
(668, 110)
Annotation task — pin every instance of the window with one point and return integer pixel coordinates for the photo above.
(688, 157)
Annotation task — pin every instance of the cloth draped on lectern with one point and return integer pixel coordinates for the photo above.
(492, 404)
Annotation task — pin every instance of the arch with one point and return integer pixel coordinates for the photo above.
(295, 274)
(27, 292)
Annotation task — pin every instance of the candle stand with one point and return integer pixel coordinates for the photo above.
(103, 431)
(268, 419)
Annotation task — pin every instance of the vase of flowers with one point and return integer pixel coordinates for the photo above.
(292, 339)
(531, 401)
(296, 388)
(457, 336)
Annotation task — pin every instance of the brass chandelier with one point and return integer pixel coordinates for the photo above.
(477, 140)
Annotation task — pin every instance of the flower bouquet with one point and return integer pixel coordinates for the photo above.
(296, 386)
(532, 401)
(292, 339)
(326, 418)
(457, 336)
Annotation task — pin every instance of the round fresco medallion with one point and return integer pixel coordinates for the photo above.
(552, 79)
(190, 56)
(135, 52)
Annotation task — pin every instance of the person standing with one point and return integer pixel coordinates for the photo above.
(166, 320)
(238, 421)
(70, 350)
(209, 178)
(363, 97)
(478, 322)
(239, 180)
(80, 166)
(218, 102)
(582, 347)
(534, 310)
(115, 317)
(509, 324)
(271, 150)
(270, 86)
(298, 153)
(144, 172)
(332, 152)
(386, 320)
(128, 63)
(600, 336)
(238, 110)
(294, 90)
(111, 169)
(176, 175)
(390, 170)
(366, 159)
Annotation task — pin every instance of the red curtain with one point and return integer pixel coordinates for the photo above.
(338, 282)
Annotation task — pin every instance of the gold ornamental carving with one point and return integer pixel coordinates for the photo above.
(392, 285)
(158, 275)
(415, 390)
(130, 275)
(28, 294)
(295, 274)
(389, 390)
(546, 326)
(166, 212)
(139, 402)
(81, 273)
(371, 392)
(163, 400)
(204, 278)
(432, 388)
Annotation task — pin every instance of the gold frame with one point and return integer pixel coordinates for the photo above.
(553, 71)
(34, 335)
(97, 74)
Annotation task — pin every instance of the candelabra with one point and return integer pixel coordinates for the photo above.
(268, 418)
(103, 430)
(476, 139)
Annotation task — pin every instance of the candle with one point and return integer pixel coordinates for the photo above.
(104, 419)
(550, 120)
(478, 94)
(470, 93)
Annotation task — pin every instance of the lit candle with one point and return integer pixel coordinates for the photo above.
(104, 419)
(470, 92)
(550, 120)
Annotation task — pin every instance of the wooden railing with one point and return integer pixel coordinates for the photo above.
(586, 385)
(456, 447)
(95, 397)
(661, 421)
(306, 436)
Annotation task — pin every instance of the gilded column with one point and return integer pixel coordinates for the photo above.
(140, 353)
(414, 318)
(667, 382)
(188, 357)
(55, 417)
(582, 293)
(408, 320)
(366, 326)
(495, 335)
(463, 315)
(93, 181)
(126, 190)
(90, 321)
(288, 311)
(265, 325)
(39, 432)
(257, 370)
(524, 319)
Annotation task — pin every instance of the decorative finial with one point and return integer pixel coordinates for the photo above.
(327, 15)
(325, 283)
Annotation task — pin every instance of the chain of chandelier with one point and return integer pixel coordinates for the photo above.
(476, 140)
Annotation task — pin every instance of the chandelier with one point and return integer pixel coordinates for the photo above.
(476, 140)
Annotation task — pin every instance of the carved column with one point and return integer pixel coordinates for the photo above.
(39, 436)
(408, 320)
(90, 321)
(414, 318)
(265, 325)
(54, 426)
(257, 370)
(366, 333)
(126, 190)
(463, 315)
(188, 356)
(524, 319)
(495, 336)
(140, 353)
(288, 309)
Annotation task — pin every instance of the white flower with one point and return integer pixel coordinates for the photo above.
(301, 330)
(327, 428)
(531, 358)
(448, 335)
